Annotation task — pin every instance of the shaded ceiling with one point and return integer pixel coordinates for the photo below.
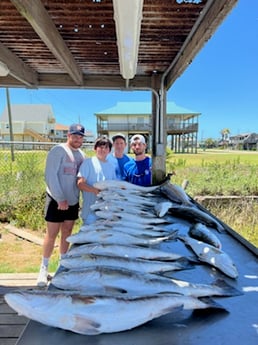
(72, 43)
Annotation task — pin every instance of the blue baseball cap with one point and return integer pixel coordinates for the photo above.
(76, 129)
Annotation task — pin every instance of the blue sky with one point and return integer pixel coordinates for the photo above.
(221, 83)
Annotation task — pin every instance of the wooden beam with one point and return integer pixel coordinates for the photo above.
(211, 17)
(100, 82)
(18, 69)
(35, 13)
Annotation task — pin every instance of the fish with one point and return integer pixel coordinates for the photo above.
(176, 193)
(200, 232)
(93, 314)
(212, 256)
(124, 251)
(133, 231)
(161, 208)
(193, 213)
(116, 237)
(142, 233)
(135, 264)
(124, 223)
(116, 184)
(114, 207)
(129, 198)
(128, 216)
(108, 279)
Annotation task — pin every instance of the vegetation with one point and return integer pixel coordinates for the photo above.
(210, 173)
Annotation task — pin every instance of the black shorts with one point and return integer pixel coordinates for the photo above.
(52, 214)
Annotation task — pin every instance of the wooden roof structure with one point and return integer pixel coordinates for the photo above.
(73, 44)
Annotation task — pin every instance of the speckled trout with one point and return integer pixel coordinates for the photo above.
(141, 265)
(116, 237)
(107, 279)
(126, 251)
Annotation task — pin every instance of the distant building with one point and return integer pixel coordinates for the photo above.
(30, 122)
(244, 141)
(131, 118)
(34, 122)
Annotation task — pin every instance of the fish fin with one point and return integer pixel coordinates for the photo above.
(112, 289)
(194, 260)
(84, 325)
(211, 304)
(186, 264)
(172, 235)
(171, 309)
(227, 288)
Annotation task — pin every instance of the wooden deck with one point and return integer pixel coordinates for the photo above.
(11, 324)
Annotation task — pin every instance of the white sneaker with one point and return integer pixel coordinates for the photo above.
(42, 278)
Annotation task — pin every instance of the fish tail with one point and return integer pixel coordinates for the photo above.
(227, 288)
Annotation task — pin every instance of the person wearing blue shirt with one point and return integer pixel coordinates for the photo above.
(118, 157)
(139, 170)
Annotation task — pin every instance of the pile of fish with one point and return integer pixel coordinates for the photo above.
(118, 273)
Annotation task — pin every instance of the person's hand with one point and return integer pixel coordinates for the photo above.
(63, 205)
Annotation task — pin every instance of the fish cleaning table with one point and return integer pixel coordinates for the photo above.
(237, 324)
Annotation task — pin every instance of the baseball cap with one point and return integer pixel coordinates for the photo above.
(76, 129)
(118, 135)
(138, 137)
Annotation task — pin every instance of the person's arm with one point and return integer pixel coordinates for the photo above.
(83, 186)
(53, 163)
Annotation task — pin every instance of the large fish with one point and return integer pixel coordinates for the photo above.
(105, 279)
(116, 237)
(129, 198)
(115, 184)
(176, 193)
(114, 206)
(212, 256)
(124, 251)
(123, 223)
(149, 266)
(142, 233)
(91, 315)
(194, 214)
(200, 232)
(127, 216)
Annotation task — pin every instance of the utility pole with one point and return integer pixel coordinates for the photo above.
(10, 122)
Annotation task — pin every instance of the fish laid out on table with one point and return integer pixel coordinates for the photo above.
(141, 265)
(212, 256)
(116, 237)
(124, 251)
(91, 315)
(110, 279)
(113, 277)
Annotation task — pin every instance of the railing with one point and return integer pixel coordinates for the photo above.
(33, 145)
(119, 127)
(171, 127)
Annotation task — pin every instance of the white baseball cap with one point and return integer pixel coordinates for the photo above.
(138, 137)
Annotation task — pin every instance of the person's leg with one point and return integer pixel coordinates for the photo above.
(66, 230)
(48, 246)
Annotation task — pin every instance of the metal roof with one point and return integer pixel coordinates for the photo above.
(73, 44)
(143, 108)
(29, 112)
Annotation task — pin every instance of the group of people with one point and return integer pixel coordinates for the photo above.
(68, 172)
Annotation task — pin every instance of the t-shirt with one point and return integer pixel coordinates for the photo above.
(94, 170)
(118, 164)
(138, 172)
(61, 170)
